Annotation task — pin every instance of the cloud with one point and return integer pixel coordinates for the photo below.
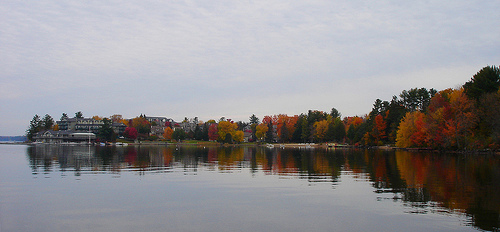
(198, 58)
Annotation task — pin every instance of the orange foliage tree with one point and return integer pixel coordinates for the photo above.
(167, 134)
(379, 129)
(279, 121)
(463, 118)
(411, 131)
(438, 113)
(141, 124)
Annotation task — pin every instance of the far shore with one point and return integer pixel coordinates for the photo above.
(268, 145)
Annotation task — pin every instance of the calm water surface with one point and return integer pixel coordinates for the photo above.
(160, 188)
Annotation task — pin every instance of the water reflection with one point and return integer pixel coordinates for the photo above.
(422, 182)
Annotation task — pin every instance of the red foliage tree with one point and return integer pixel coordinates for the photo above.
(213, 132)
(130, 133)
(378, 131)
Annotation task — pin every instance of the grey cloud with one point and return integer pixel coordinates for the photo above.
(203, 58)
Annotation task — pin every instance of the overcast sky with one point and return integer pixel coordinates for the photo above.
(232, 58)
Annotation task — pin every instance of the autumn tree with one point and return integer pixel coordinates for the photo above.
(278, 121)
(238, 136)
(167, 134)
(463, 119)
(320, 129)
(142, 125)
(224, 128)
(213, 132)
(411, 132)
(438, 112)
(379, 130)
(116, 118)
(261, 131)
(130, 133)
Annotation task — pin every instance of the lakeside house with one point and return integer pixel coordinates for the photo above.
(66, 136)
(87, 125)
(159, 121)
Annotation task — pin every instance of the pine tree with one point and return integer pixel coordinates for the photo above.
(35, 126)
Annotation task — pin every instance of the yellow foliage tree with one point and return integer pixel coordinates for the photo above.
(224, 128)
(411, 131)
(116, 117)
(261, 131)
(464, 118)
(126, 122)
(320, 128)
(238, 136)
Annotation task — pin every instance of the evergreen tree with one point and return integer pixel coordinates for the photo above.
(205, 132)
(228, 138)
(106, 131)
(254, 119)
(47, 122)
(338, 130)
(330, 132)
(270, 133)
(35, 127)
(351, 133)
(79, 114)
(64, 116)
(487, 80)
(179, 134)
(284, 133)
(198, 133)
(335, 113)
(297, 134)
(306, 131)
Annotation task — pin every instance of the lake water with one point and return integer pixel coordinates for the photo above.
(169, 188)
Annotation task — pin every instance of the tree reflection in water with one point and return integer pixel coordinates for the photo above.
(423, 182)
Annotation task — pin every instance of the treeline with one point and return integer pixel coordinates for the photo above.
(464, 118)
(467, 117)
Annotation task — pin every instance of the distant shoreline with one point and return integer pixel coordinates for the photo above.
(272, 145)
